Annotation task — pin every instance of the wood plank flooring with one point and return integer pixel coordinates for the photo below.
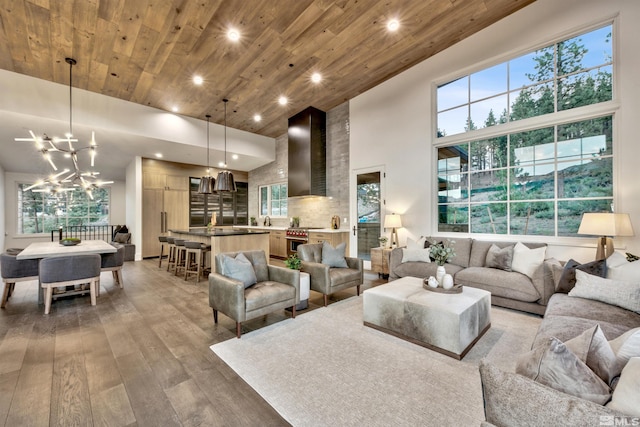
(140, 357)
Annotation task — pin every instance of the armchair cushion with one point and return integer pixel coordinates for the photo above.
(239, 268)
(264, 294)
(334, 257)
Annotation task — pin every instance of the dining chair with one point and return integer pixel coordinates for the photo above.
(69, 270)
(14, 270)
(113, 262)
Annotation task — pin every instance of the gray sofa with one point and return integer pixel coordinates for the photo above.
(511, 399)
(508, 289)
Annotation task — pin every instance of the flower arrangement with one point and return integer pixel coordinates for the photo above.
(441, 252)
(383, 241)
(293, 262)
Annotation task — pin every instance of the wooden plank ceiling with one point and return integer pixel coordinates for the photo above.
(147, 51)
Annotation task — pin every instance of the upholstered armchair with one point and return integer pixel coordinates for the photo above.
(326, 276)
(245, 286)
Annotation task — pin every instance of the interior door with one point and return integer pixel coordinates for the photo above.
(368, 211)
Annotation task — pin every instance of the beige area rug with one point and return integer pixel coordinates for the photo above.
(325, 368)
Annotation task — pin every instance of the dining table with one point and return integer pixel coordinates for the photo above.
(39, 250)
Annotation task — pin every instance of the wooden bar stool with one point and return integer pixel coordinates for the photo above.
(163, 243)
(180, 252)
(171, 254)
(195, 259)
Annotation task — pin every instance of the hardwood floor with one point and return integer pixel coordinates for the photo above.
(140, 357)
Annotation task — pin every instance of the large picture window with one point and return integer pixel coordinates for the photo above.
(541, 177)
(42, 212)
(572, 73)
(273, 200)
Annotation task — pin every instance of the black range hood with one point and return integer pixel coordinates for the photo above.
(308, 154)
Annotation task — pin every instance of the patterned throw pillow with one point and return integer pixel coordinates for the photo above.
(568, 277)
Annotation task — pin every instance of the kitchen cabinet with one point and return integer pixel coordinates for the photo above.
(380, 261)
(278, 243)
(163, 181)
(162, 210)
(332, 238)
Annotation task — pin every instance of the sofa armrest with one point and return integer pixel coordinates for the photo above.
(320, 279)
(395, 259)
(286, 276)
(227, 295)
(511, 399)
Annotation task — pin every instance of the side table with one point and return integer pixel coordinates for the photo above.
(380, 261)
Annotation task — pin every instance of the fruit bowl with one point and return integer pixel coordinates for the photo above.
(70, 241)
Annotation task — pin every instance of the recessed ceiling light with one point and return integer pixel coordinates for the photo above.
(316, 78)
(233, 34)
(234, 157)
(159, 155)
(198, 80)
(174, 109)
(257, 118)
(283, 100)
(393, 25)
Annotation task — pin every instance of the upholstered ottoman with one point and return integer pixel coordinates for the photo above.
(447, 323)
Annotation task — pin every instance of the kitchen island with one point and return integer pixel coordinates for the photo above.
(226, 239)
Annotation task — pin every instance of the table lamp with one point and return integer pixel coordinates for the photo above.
(606, 225)
(393, 221)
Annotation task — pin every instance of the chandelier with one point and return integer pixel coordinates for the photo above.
(70, 178)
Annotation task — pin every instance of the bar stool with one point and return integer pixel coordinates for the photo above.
(163, 243)
(171, 254)
(195, 259)
(179, 255)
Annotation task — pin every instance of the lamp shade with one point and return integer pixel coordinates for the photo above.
(225, 182)
(206, 185)
(392, 221)
(606, 224)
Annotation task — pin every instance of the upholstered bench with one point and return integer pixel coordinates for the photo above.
(448, 323)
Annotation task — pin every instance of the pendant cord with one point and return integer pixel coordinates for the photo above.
(208, 166)
(70, 100)
(225, 132)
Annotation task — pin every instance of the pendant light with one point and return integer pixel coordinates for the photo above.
(225, 181)
(207, 182)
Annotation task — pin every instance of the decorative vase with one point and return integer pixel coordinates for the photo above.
(447, 281)
(432, 282)
(440, 272)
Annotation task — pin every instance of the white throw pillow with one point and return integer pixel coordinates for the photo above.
(616, 260)
(626, 396)
(527, 261)
(615, 292)
(415, 251)
(626, 271)
(625, 347)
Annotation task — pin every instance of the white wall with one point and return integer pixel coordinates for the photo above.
(10, 209)
(3, 205)
(392, 123)
(133, 198)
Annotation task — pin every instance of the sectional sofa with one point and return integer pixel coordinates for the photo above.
(508, 288)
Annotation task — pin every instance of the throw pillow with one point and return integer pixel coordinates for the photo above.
(625, 347)
(415, 251)
(614, 292)
(527, 261)
(626, 396)
(334, 257)
(122, 237)
(555, 366)
(628, 272)
(616, 259)
(239, 268)
(631, 257)
(499, 258)
(595, 351)
(568, 278)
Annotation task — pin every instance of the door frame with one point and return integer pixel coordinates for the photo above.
(353, 206)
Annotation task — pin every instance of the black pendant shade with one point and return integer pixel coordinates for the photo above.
(225, 180)
(207, 182)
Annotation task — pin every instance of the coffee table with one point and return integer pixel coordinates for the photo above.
(448, 323)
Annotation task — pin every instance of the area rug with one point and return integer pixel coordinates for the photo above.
(326, 368)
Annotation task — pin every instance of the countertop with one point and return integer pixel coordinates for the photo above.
(313, 230)
(215, 232)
